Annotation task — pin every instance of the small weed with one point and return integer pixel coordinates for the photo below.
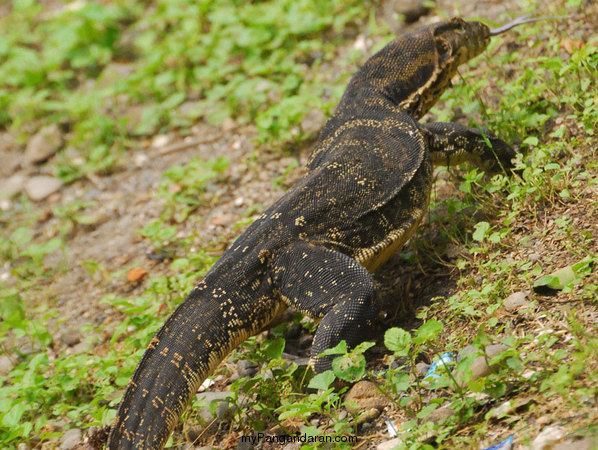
(185, 186)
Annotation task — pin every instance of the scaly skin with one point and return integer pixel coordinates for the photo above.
(365, 191)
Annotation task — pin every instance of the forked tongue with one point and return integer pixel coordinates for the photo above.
(519, 21)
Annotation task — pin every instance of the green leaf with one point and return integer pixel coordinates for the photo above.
(428, 331)
(531, 141)
(13, 417)
(397, 341)
(349, 367)
(361, 348)
(339, 349)
(561, 278)
(322, 380)
(273, 349)
(401, 381)
(481, 228)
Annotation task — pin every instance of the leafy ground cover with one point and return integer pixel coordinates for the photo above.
(502, 274)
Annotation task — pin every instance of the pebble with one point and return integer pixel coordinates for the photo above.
(516, 301)
(313, 121)
(228, 124)
(364, 395)
(494, 349)
(440, 415)
(582, 444)
(533, 257)
(70, 337)
(244, 446)
(547, 438)
(40, 187)
(305, 341)
(223, 409)
(479, 368)
(6, 365)
(422, 368)
(23, 446)
(12, 185)
(292, 446)
(43, 144)
(466, 351)
(390, 444)
(246, 368)
(71, 439)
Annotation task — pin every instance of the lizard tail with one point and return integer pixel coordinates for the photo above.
(192, 342)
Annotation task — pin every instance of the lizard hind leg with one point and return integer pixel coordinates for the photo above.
(330, 285)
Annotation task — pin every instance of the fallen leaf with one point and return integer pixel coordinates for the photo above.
(570, 45)
(136, 274)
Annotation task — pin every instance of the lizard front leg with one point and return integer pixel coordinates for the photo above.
(453, 143)
(326, 284)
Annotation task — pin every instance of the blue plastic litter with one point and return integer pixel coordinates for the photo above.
(504, 445)
(445, 359)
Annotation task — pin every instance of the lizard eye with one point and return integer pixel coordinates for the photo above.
(444, 48)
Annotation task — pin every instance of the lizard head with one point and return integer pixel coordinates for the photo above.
(453, 42)
(413, 70)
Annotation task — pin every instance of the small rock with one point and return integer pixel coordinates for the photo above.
(292, 446)
(422, 368)
(343, 415)
(411, 10)
(71, 439)
(70, 337)
(228, 124)
(479, 368)
(243, 445)
(502, 410)
(544, 420)
(23, 446)
(516, 301)
(366, 416)
(160, 140)
(246, 368)
(305, 341)
(440, 415)
(365, 395)
(223, 409)
(44, 144)
(313, 121)
(192, 434)
(548, 437)
(6, 365)
(11, 185)
(533, 257)
(467, 351)
(494, 349)
(41, 186)
(590, 443)
(389, 445)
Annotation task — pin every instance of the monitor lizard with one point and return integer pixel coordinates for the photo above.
(366, 189)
